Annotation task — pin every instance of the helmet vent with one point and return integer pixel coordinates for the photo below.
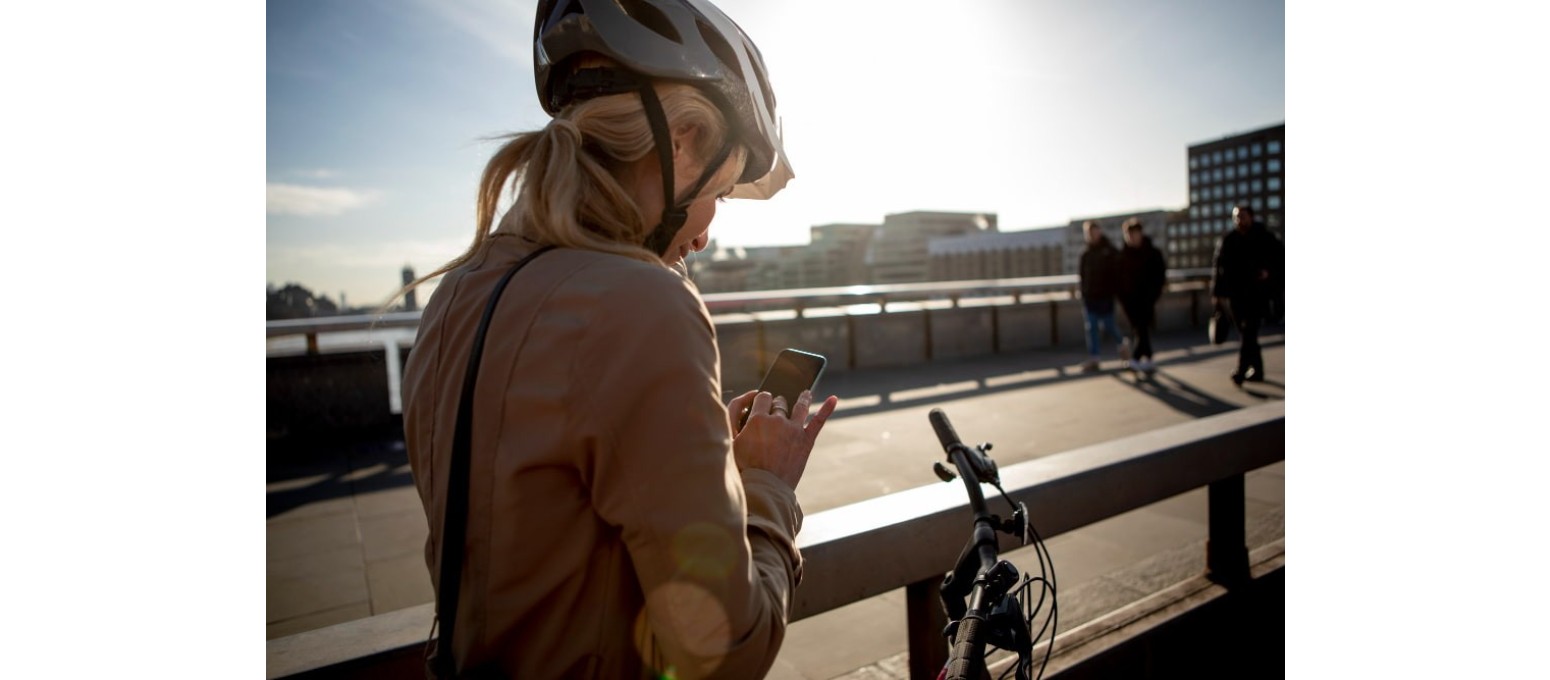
(651, 18)
(719, 46)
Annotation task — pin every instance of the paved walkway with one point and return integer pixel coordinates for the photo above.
(346, 532)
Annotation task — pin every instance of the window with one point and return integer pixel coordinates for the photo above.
(1274, 202)
(1232, 190)
(1243, 170)
(1258, 168)
(1243, 188)
(1227, 155)
(1216, 175)
(1273, 165)
(1258, 149)
(1193, 162)
(1216, 158)
(1274, 146)
(1194, 196)
(1274, 183)
(1193, 211)
(1257, 204)
(1243, 153)
(1256, 186)
(1231, 172)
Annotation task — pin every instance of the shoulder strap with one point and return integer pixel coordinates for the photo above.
(454, 531)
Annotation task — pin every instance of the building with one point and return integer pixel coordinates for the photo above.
(409, 301)
(1242, 168)
(837, 256)
(1153, 222)
(999, 255)
(898, 252)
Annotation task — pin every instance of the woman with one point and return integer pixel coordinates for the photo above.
(618, 523)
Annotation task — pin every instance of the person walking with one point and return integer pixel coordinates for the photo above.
(1142, 276)
(1099, 280)
(594, 509)
(1246, 274)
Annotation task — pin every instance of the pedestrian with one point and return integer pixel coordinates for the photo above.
(1247, 273)
(1142, 274)
(1099, 281)
(611, 518)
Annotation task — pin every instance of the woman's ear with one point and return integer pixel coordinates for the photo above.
(686, 138)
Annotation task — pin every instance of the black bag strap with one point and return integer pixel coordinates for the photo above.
(454, 532)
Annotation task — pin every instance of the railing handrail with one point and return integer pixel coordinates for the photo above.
(837, 295)
(875, 546)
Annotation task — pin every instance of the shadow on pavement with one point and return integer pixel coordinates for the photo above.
(990, 375)
(302, 472)
(1177, 394)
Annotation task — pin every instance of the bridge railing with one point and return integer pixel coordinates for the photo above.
(798, 299)
(911, 538)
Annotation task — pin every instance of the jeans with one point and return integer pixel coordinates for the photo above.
(1096, 322)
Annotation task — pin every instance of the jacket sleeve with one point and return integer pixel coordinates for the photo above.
(713, 549)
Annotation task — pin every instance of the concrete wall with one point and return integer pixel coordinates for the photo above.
(350, 389)
(327, 392)
(1024, 327)
(889, 339)
(962, 332)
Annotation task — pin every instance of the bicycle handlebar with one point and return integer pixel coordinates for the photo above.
(944, 431)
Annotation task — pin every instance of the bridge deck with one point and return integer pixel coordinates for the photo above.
(346, 532)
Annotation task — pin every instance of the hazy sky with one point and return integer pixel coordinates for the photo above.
(1038, 111)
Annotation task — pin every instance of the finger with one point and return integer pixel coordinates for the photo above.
(813, 428)
(804, 402)
(779, 404)
(742, 401)
(737, 410)
(761, 403)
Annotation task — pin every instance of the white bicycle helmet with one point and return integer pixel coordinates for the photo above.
(686, 41)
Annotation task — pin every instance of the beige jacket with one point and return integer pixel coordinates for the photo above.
(610, 533)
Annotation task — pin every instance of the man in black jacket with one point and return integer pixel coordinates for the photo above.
(1249, 265)
(1099, 279)
(1142, 274)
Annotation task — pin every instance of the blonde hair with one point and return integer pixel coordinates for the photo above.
(566, 176)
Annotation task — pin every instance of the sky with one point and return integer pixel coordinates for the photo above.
(380, 115)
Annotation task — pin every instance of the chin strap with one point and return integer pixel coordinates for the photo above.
(674, 213)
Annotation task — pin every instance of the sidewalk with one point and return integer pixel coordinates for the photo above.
(346, 530)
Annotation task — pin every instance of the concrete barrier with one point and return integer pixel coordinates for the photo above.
(962, 332)
(889, 339)
(1024, 327)
(354, 388)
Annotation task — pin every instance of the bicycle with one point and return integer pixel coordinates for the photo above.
(986, 601)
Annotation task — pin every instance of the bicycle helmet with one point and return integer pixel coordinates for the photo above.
(686, 41)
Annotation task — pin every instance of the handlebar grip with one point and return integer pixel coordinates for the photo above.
(944, 430)
(965, 660)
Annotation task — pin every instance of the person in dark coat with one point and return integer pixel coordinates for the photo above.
(1142, 276)
(1250, 262)
(1099, 283)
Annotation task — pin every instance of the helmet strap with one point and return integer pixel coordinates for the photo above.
(674, 213)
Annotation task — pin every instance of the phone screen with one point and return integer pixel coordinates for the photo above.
(792, 372)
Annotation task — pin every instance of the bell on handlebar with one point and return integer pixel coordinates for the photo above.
(942, 472)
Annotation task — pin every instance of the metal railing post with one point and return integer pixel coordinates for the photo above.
(925, 622)
(1227, 552)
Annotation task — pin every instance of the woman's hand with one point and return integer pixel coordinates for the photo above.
(772, 440)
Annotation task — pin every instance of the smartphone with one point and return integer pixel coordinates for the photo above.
(792, 372)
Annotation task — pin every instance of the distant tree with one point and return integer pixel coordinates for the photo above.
(295, 302)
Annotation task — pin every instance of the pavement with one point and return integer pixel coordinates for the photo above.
(346, 531)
